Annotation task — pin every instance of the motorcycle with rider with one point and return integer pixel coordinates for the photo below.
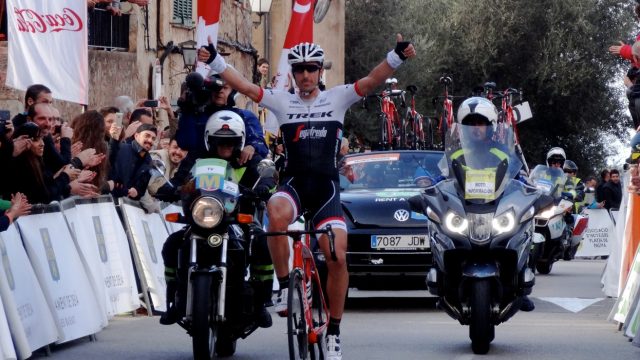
(217, 271)
(481, 224)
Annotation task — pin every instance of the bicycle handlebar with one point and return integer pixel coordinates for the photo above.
(296, 235)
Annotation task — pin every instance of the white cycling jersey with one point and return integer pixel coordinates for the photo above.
(311, 130)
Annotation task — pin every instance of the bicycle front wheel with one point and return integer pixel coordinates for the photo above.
(297, 329)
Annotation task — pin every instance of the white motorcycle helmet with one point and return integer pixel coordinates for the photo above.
(224, 127)
(478, 108)
(306, 52)
(556, 153)
(390, 81)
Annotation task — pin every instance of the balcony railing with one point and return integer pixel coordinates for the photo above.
(108, 32)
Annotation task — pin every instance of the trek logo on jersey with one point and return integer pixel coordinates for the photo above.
(316, 115)
(313, 133)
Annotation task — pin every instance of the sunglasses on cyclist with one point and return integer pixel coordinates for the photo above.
(310, 68)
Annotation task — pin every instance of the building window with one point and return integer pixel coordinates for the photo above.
(183, 12)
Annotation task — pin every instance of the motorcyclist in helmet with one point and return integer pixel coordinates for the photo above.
(224, 138)
(479, 117)
(574, 185)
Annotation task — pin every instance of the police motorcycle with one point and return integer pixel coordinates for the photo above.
(554, 239)
(480, 231)
(217, 305)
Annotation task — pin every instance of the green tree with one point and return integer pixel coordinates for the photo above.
(554, 50)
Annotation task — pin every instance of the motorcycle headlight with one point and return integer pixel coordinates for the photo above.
(547, 214)
(504, 223)
(456, 223)
(207, 212)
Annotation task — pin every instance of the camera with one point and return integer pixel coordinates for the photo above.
(197, 90)
(151, 103)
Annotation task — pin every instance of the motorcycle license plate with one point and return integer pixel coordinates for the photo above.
(399, 242)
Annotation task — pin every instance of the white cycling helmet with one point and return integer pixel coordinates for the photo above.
(478, 108)
(556, 153)
(391, 81)
(224, 127)
(306, 52)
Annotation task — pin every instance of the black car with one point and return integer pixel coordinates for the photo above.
(388, 245)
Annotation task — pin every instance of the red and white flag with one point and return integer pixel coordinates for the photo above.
(208, 19)
(300, 30)
(48, 44)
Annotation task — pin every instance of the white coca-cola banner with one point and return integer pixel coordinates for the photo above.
(48, 45)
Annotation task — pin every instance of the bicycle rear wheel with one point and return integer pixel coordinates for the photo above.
(296, 321)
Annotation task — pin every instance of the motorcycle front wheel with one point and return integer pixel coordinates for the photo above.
(203, 328)
(481, 329)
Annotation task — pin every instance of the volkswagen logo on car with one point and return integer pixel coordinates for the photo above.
(401, 215)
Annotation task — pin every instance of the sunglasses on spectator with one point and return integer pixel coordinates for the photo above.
(310, 68)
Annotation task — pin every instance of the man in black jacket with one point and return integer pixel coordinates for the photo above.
(612, 191)
(131, 162)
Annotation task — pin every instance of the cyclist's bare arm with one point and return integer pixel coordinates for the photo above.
(231, 75)
(383, 70)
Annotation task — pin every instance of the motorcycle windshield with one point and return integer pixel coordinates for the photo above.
(482, 160)
(550, 181)
(210, 175)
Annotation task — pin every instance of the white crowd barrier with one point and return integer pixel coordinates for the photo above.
(103, 242)
(598, 234)
(61, 273)
(148, 233)
(69, 267)
(30, 320)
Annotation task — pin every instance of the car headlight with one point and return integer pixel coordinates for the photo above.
(456, 223)
(547, 214)
(207, 212)
(504, 223)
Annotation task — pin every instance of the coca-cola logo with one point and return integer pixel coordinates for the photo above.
(29, 20)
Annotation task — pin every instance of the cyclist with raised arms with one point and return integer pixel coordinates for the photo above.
(311, 122)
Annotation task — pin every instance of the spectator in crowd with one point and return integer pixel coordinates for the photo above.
(262, 75)
(604, 178)
(88, 129)
(42, 114)
(612, 191)
(109, 114)
(19, 206)
(35, 94)
(31, 177)
(590, 193)
(165, 139)
(138, 117)
(129, 174)
(171, 157)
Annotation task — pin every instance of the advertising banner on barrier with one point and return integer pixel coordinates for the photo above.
(30, 319)
(61, 274)
(148, 234)
(598, 234)
(7, 351)
(103, 242)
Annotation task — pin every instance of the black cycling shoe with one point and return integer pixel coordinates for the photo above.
(526, 304)
(263, 318)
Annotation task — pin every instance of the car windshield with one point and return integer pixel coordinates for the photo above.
(377, 170)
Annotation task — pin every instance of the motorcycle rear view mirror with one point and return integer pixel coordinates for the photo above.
(417, 204)
(266, 168)
(158, 170)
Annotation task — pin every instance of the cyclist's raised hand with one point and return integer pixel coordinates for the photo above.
(404, 49)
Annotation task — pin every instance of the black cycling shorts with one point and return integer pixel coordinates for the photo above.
(319, 196)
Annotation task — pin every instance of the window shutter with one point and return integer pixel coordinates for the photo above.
(183, 12)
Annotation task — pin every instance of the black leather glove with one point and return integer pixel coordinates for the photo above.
(400, 46)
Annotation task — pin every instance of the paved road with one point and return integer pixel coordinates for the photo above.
(569, 323)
